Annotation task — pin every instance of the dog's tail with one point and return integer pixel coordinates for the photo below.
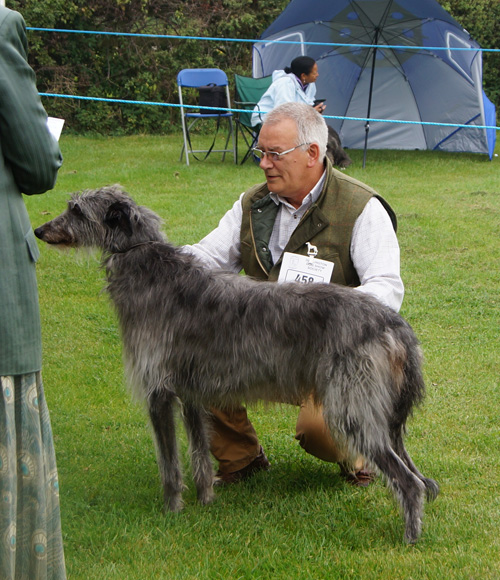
(411, 388)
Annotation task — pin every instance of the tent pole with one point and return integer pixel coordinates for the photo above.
(367, 125)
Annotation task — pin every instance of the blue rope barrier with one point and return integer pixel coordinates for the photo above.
(208, 38)
(178, 106)
(253, 41)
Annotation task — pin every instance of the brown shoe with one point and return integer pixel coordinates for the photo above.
(260, 463)
(361, 478)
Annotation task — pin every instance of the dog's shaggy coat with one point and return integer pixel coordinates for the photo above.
(335, 151)
(214, 339)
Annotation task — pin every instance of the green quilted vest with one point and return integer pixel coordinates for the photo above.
(327, 224)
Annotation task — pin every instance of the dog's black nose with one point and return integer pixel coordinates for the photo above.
(39, 233)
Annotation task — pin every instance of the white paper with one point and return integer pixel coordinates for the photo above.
(55, 126)
(305, 269)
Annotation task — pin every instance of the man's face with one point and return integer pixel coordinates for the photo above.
(286, 176)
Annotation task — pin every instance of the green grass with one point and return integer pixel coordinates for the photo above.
(299, 520)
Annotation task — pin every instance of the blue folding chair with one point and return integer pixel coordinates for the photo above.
(196, 78)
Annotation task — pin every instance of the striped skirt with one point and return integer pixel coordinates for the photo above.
(31, 544)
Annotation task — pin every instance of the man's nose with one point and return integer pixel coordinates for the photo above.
(265, 162)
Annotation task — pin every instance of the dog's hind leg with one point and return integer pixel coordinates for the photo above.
(161, 411)
(196, 427)
(431, 486)
(408, 488)
(361, 421)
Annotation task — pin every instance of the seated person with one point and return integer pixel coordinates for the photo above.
(295, 84)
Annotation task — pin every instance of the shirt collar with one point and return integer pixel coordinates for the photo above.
(302, 85)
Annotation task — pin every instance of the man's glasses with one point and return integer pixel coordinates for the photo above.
(274, 155)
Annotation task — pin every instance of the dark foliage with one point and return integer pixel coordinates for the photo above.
(145, 69)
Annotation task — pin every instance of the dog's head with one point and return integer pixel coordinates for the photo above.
(105, 218)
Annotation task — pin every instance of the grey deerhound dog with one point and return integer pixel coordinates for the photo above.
(210, 339)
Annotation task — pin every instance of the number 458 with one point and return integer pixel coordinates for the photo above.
(304, 279)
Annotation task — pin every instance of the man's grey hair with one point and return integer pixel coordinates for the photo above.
(311, 126)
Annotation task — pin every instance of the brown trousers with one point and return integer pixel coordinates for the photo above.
(234, 442)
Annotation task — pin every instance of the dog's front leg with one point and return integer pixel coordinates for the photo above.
(161, 412)
(196, 427)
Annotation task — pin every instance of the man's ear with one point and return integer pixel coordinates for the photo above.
(313, 153)
(118, 217)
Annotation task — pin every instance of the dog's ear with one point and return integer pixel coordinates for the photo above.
(74, 207)
(118, 217)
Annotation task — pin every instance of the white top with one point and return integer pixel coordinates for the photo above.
(374, 245)
(285, 88)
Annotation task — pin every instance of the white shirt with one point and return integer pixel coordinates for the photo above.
(374, 245)
(285, 88)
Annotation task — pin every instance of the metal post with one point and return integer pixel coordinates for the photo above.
(367, 125)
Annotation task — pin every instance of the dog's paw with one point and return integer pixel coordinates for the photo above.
(174, 504)
(206, 496)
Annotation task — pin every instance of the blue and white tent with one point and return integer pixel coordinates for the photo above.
(433, 84)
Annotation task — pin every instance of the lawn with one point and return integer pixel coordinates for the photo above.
(299, 520)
